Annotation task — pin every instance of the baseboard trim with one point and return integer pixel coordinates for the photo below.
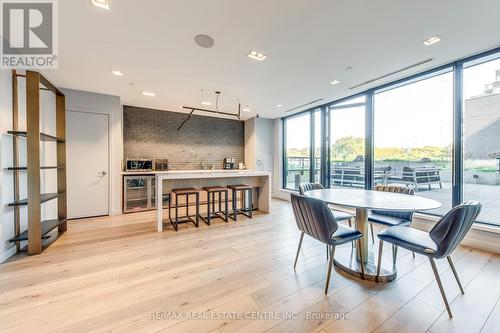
(7, 254)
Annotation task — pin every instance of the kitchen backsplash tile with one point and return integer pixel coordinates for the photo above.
(151, 133)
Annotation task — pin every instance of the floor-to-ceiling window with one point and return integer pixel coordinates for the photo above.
(347, 143)
(413, 136)
(481, 135)
(317, 146)
(419, 126)
(297, 149)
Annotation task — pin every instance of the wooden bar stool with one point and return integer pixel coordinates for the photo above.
(212, 212)
(179, 192)
(245, 190)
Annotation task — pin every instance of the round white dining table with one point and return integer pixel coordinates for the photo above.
(364, 201)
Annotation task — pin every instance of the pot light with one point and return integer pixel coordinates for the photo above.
(432, 40)
(116, 72)
(256, 55)
(206, 103)
(246, 110)
(334, 82)
(279, 105)
(148, 93)
(101, 3)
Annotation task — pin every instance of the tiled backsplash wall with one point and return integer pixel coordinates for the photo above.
(153, 134)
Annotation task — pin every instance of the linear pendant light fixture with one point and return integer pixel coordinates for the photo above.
(216, 111)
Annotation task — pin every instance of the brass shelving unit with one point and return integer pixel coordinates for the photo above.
(38, 229)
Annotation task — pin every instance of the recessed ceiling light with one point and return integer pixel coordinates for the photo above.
(246, 110)
(279, 105)
(101, 3)
(116, 72)
(206, 103)
(432, 40)
(256, 55)
(334, 82)
(147, 93)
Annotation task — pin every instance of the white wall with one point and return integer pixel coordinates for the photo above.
(84, 101)
(259, 144)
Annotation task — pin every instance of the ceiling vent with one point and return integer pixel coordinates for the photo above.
(308, 103)
(392, 73)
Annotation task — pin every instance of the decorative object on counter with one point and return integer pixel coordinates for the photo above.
(139, 165)
(228, 163)
(246, 202)
(180, 192)
(211, 211)
(216, 111)
(161, 164)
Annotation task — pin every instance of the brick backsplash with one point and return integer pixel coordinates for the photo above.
(151, 133)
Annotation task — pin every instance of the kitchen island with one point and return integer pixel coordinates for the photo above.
(260, 180)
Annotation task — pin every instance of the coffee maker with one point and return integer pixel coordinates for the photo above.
(228, 163)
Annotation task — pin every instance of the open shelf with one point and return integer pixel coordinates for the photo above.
(44, 197)
(47, 226)
(43, 136)
(21, 168)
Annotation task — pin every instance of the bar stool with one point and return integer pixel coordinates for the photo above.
(179, 192)
(245, 190)
(213, 213)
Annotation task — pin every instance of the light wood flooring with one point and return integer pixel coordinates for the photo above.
(116, 273)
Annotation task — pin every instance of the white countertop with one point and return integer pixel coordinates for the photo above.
(176, 174)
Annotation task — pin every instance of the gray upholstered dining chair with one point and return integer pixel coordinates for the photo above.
(314, 218)
(389, 218)
(439, 243)
(339, 215)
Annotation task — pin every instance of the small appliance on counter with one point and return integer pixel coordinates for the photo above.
(139, 165)
(161, 164)
(228, 163)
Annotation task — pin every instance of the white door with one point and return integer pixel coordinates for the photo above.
(87, 164)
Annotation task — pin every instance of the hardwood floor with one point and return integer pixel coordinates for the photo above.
(117, 274)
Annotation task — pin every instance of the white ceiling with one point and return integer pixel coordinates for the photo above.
(309, 43)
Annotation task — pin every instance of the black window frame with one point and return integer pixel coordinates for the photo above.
(456, 67)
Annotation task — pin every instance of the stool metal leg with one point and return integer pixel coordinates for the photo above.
(208, 208)
(226, 194)
(235, 212)
(176, 226)
(197, 210)
(250, 192)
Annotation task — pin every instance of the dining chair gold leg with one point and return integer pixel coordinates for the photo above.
(298, 250)
(456, 274)
(350, 223)
(373, 235)
(379, 264)
(362, 260)
(438, 280)
(330, 264)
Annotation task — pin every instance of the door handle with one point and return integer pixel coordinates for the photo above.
(104, 172)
